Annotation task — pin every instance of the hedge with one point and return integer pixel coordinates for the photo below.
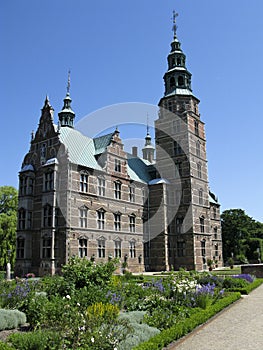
(246, 290)
(184, 327)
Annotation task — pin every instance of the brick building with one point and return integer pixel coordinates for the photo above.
(89, 197)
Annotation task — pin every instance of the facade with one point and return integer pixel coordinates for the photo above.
(90, 198)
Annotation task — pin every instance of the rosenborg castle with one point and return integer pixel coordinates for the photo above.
(90, 198)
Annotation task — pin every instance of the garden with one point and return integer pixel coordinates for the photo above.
(89, 307)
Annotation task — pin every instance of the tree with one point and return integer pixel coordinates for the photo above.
(237, 230)
(8, 221)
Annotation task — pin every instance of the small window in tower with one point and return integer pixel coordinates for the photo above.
(196, 128)
(172, 82)
(179, 61)
(180, 80)
(117, 165)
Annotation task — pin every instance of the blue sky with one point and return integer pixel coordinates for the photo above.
(116, 51)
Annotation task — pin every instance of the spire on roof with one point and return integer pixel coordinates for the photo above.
(175, 14)
(66, 115)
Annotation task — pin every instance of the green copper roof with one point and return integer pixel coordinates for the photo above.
(102, 142)
(82, 151)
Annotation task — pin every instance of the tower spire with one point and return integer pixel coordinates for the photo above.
(66, 115)
(175, 14)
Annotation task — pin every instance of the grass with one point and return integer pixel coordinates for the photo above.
(227, 271)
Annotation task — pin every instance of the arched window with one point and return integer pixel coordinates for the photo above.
(202, 224)
(179, 61)
(203, 248)
(180, 80)
(172, 82)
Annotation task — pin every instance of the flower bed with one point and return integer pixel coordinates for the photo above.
(90, 308)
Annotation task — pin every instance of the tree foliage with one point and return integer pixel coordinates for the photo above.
(8, 221)
(237, 229)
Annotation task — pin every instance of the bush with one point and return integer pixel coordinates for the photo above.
(85, 273)
(5, 346)
(10, 319)
(38, 340)
(230, 282)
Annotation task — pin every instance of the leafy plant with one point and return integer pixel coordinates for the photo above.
(10, 319)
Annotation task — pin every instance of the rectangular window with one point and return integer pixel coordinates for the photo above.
(101, 248)
(180, 248)
(101, 186)
(202, 225)
(203, 250)
(47, 216)
(179, 225)
(46, 247)
(196, 128)
(132, 250)
(49, 181)
(83, 183)
(117, 190)
(132, 223)
(215, 232)
(23, 185)
(117, 222)
(200, 197)
(176, 126)
(83, 217)
(83, 247)
(100, 219)
(178, 169)
(117, 165)
(117, 249)
(198, 149)
(20, 248)
(199, 170)
(132, 194)
(22, 219)
(29, 219)
(177, 149)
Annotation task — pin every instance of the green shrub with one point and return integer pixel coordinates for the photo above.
(230, 282)
(248, 288)
(5, 346)
(10, 319)
(38, 340)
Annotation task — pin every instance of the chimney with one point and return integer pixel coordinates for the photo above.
(135, 151)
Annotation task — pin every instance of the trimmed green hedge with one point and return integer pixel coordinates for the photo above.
(246, 290)
(184, 327)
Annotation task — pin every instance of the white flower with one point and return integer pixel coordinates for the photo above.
(92, 340)
(78, 304)
(68, 297)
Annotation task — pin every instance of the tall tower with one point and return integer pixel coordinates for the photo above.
(181, 161)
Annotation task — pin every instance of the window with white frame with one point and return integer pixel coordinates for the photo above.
(132, 219)
(101, 219)
(117, 190)
(117, 165)
(117, 221)
(47, 215)
(83, 182)
(132, 249)
(46, 247)
(117, 249)
(132, 193)
(49, 181)
(83, 247)
(101, 186)
(101, 248)
(83, 217)
(202, 224)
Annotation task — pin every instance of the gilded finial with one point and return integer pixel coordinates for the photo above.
(68, 85)
(175, 14)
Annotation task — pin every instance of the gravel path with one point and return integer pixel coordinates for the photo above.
(240, 327)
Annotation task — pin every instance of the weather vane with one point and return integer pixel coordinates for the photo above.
(175, 14)
(68, 85)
